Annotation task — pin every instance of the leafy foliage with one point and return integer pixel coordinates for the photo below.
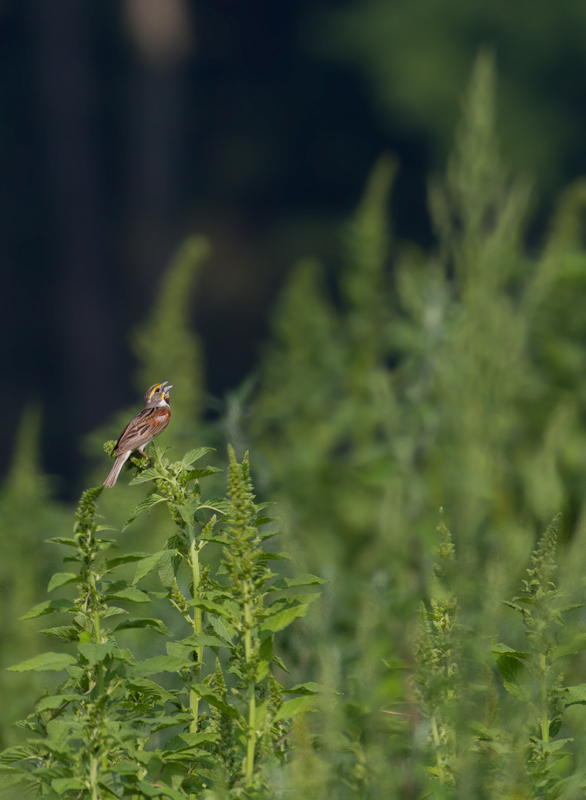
(454, 379)
(98, 734)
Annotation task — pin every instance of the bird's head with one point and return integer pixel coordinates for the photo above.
(158, 395)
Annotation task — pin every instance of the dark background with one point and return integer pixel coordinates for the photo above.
(125, 126)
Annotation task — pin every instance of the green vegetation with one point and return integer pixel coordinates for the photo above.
(397, 385)
(100, 733)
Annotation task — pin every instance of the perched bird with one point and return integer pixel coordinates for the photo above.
(147, 424)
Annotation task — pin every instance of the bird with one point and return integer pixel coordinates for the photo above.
(143, 428)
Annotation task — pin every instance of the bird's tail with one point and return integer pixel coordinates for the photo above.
(115, 471)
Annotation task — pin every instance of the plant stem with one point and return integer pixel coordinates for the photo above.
(195, 574)
(251, 699)
(97, 630)
(436, 741)
(99, 672)
(544, 704)
(94, 778)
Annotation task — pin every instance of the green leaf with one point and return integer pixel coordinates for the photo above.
(62, 785)
(167, 570)
(275, 557)
(221, 629)
(220, 504)
(503, 649)
(68, 633)
(265, 652)
(194, 474)
(396, 663)
(125, 767)
(509, 667)
(211, 607)
(46, 661)
(484, 732)
(510, 604)
(47, 607)
(298, 580)
(310, 687)
(209, 696)
(520, 692)
(60, 579)
(554, 747)
(51, 702)
(284, 618)
(297, 705)
(123, 654)
(555, 725)
(151, 790)
(218, 538)
(158, 723)
(185, 741)
(95, 653)
(259, 506)
(572, 607)
(151, 666)
(147, 475)
(573, 695)
(148, 563)
(63, 540)
(260, 521)
(569, 646)
(149, 688)
(203, 640)
(16, 753)
(12, 777)
(186, 511)
(155, 624)
(147, 503)
(195, 455)
(113, 611)
(129, 558)
(262, 670)
(264, 536)
(131, 594)
(278, 661)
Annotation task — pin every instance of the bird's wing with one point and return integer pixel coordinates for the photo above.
(144, 427)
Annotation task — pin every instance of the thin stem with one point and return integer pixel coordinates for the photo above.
(96, 623)
(195, 574)
(544, 703)
(251, 699)
(436, 741)
(94, 778)
(99, 668)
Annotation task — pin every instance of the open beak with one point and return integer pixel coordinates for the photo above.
(166, 388)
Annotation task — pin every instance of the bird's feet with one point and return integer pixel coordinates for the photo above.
(146, 456)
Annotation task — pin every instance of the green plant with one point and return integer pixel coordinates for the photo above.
(28, 511)
(103, 731)
(437, 681)
(533, 677)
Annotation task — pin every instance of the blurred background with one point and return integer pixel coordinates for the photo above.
(126, 125)
(352, 236)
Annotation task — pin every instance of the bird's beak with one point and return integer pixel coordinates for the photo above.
(166, 388)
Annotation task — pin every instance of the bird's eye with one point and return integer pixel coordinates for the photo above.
(158, 389)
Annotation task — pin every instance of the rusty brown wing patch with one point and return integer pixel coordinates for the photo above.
(144, 427)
